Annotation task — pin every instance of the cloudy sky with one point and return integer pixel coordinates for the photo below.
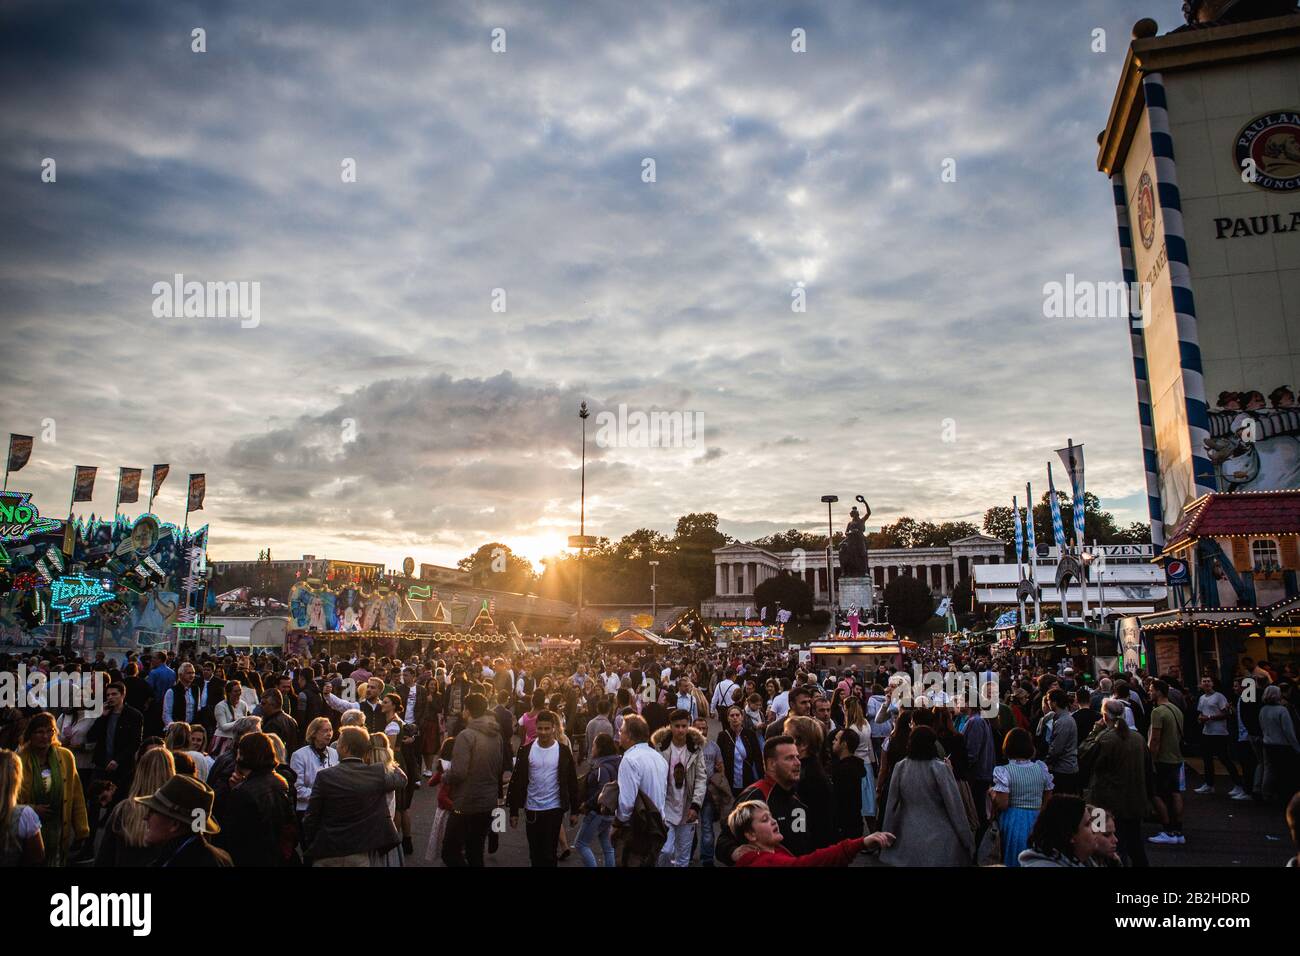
(381, 407)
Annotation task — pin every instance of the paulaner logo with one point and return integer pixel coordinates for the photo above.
(23, 688)
(77, 909)
(211, 300)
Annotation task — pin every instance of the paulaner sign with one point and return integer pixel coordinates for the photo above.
(1228, 228)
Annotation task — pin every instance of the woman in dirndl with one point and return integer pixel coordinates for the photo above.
(1020, 788)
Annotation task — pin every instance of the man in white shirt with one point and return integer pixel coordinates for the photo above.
(544, 785)
(722, 693)
(195, 698)
(1212, 712)
(779, 705)
(613, 682)
(640, 772)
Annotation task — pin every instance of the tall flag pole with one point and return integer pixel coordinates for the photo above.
(159, 476)
(20, 451)
(1072, 456)
(1020, 548)
(1033, 552)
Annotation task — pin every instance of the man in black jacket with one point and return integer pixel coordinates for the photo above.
(115, 737)
(475, 780)
(545, 786)
(276, 721)
(778, 789)
(348, 816)
(371, 705)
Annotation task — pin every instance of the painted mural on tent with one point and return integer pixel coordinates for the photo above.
(314, 605)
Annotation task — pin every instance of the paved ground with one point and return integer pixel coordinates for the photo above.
(1220, 832)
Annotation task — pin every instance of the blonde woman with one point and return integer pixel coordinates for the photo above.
(124, 832)
(381, 752)
(311, 758)
(20, 827)
(180, 739)
(51, 786)
(856, 720)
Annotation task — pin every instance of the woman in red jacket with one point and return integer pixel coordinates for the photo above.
(752, 822)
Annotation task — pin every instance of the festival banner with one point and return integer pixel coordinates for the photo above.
(128, 485)
(1072, 456)
(1031, 544)
(83, 483)
(1058, 530)
(20, 452)
(1020, 534)
(198, 488)
(159, 476)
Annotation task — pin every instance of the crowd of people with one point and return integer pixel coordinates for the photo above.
(736, 758)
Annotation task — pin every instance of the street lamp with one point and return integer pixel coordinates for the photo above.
(580, 540)
(654, 590)
(830, 571)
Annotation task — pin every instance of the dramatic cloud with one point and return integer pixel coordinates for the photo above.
(383, 404)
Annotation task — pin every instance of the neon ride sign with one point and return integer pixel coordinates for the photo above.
(74, 596)
(19, 518)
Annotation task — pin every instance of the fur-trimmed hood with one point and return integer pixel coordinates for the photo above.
(661, 738)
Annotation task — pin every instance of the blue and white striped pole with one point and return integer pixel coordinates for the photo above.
(1149, 460)
(1189, 348)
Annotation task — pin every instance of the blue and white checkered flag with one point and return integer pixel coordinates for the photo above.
(1029, 522)
(1058, 530)
(1072, 457)
(1020, 534)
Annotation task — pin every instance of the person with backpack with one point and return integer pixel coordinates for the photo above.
(597, 822)
(1165, 742)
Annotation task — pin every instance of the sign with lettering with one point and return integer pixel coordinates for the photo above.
(1269, 147)
(74, 596)
(19, 518)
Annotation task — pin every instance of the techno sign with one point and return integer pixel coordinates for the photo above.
(74, 596)
(19, 518)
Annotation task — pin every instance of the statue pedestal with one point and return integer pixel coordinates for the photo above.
(856, 592)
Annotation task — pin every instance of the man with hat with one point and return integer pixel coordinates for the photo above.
(178, 823)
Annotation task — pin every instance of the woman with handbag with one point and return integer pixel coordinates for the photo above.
(595, 824)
